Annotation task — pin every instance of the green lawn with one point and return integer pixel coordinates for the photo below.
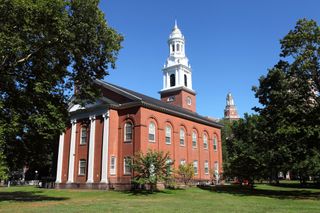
(264, 198)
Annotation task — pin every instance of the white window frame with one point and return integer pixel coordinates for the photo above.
(194, 139)
(113, 165)
(152, 131)
(125, 132)
(125, 172)
(195, 167)
(168, 134)
(215, 143)
(81, 162)
(83, 129)
(182, 137)
(206, 167)
(205, 141)
(183, 162)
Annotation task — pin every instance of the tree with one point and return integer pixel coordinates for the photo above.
(289, 96)
(151, 167)
(186, 173)
(245, 154)
(47, 47)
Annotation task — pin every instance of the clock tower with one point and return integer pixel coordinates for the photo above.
(177, 76)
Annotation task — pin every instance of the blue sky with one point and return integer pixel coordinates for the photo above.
(229, 43)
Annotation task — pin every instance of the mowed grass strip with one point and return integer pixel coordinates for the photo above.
(264, 198)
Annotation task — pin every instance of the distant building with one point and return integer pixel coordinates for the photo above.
(97, 147)
(230, 112)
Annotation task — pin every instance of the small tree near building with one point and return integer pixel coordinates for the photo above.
(151, 167)
(186, 173)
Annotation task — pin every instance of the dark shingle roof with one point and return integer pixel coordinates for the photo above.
(156, 104)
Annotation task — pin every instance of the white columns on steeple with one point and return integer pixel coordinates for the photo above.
(91, 148)
(72, 151)
(105, 148)
(177, 63)
(60, 159)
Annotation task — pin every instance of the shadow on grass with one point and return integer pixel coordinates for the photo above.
(30, 196)
(279, 194)
(297, 185)
(147, 192)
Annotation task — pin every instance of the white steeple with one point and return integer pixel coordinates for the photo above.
(230, 112)
(177, 70)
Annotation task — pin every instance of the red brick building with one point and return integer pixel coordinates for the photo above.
(95, 149)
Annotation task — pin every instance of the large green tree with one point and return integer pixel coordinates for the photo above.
(289, 96)
(47, 47)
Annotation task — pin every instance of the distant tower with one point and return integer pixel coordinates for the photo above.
(230, 112)
(177, 75)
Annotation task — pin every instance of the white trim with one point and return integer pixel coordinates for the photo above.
(85, 167)
(91, 148)
(72, 151)
(105, 148)
(60, 159)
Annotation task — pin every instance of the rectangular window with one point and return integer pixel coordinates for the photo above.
(168, 135)
(195, 167)
(127, 166)
(113, 165)
(83, 139)
(82, 167)
(181, 137)
(206, 167)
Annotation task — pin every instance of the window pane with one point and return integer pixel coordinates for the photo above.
(206, 167)
(195, 167)
(128, 132)
(205, 141)
(215, 143)
(168, 134)
(82, 167)
(127, 169)
(113, 165)
(83, 135)
(194, 139)
(181, 137)
(152, 131)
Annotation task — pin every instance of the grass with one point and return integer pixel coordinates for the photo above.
(264, 198)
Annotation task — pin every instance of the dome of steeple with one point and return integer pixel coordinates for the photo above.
(176, 33)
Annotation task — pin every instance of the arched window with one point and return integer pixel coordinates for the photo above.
(215, 143)
(152, 132)
(182, 137)
(194, 139)
(172, 47)
(168, 135)
(172, 80)
(128, 132)
(205, 141)
(178, 47)
(185, 80)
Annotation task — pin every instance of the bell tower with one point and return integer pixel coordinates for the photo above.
(230, 112)
(177, 75)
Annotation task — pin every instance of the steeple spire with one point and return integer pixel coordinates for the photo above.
(177, 73)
